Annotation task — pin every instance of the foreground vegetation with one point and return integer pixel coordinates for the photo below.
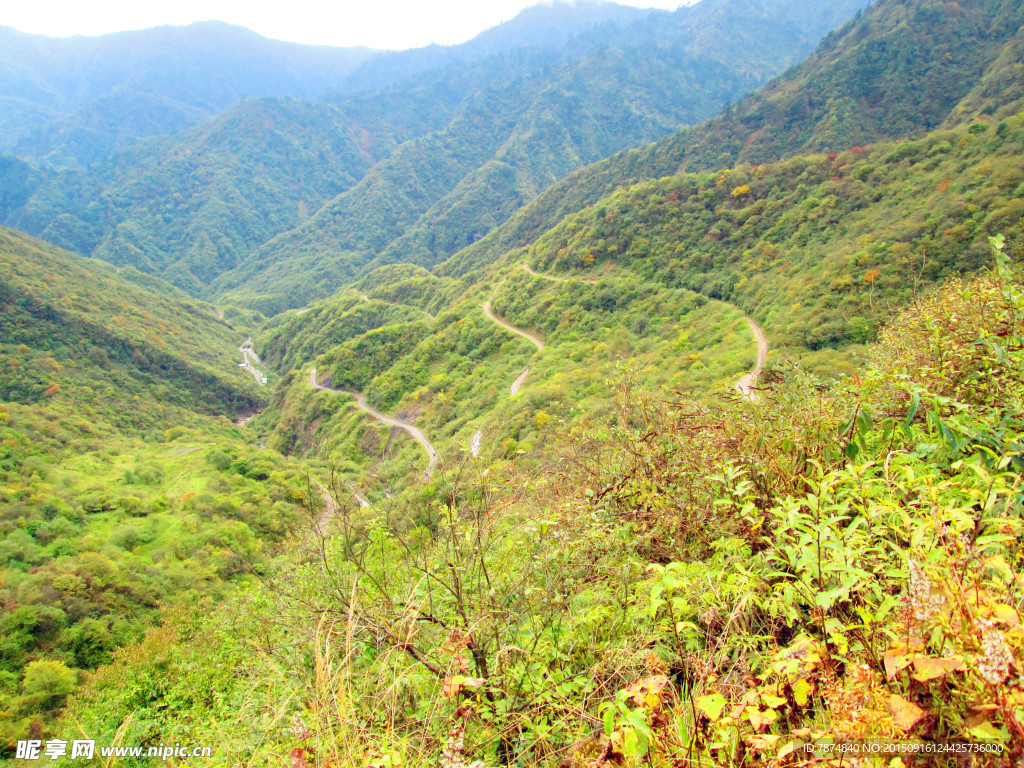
(697, 577)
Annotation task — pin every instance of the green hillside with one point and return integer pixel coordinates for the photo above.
(235, 209)
(819, 248)
(695, 576)
(964, 58)
(124, 484)
(120, 326)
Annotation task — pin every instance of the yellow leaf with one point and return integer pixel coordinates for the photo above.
(773, 702)
(894, 664)
(788, 749)
(999, 564)
(642, 690)
(763, 742)
(450, 687)
(712, 705)
(928, 668)
(901, 648)
(905, 713)
(760, 719)
(801, 691)
(1006, 614)
(985, 732)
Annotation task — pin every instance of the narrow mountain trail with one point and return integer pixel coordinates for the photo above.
(518, 383)
(360, 499)
(745, 386)
(331, 507)
(412, 431)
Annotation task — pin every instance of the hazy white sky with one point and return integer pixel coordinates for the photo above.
(375, 23)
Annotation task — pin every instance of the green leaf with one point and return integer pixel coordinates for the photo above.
(609, 720)
(801, 692)
(712, 705)
(915, 405)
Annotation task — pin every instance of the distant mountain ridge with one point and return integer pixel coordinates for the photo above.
(545, 25)
(409, 174)
(76, 100)
(628, 86)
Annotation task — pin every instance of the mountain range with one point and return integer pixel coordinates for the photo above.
(462, 144)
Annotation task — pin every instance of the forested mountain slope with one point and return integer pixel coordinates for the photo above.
(819, 248)
(697, 579)
(898, 70)
(189, 206)
(124, 484)
(75, 318)
(516, 138)
(472, 141)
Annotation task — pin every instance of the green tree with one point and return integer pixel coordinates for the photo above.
(46, 684)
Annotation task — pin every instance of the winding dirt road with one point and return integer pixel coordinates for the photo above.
(409, 429)
(518, 383)
(745, 386)
(528, 336)
(360, 499)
